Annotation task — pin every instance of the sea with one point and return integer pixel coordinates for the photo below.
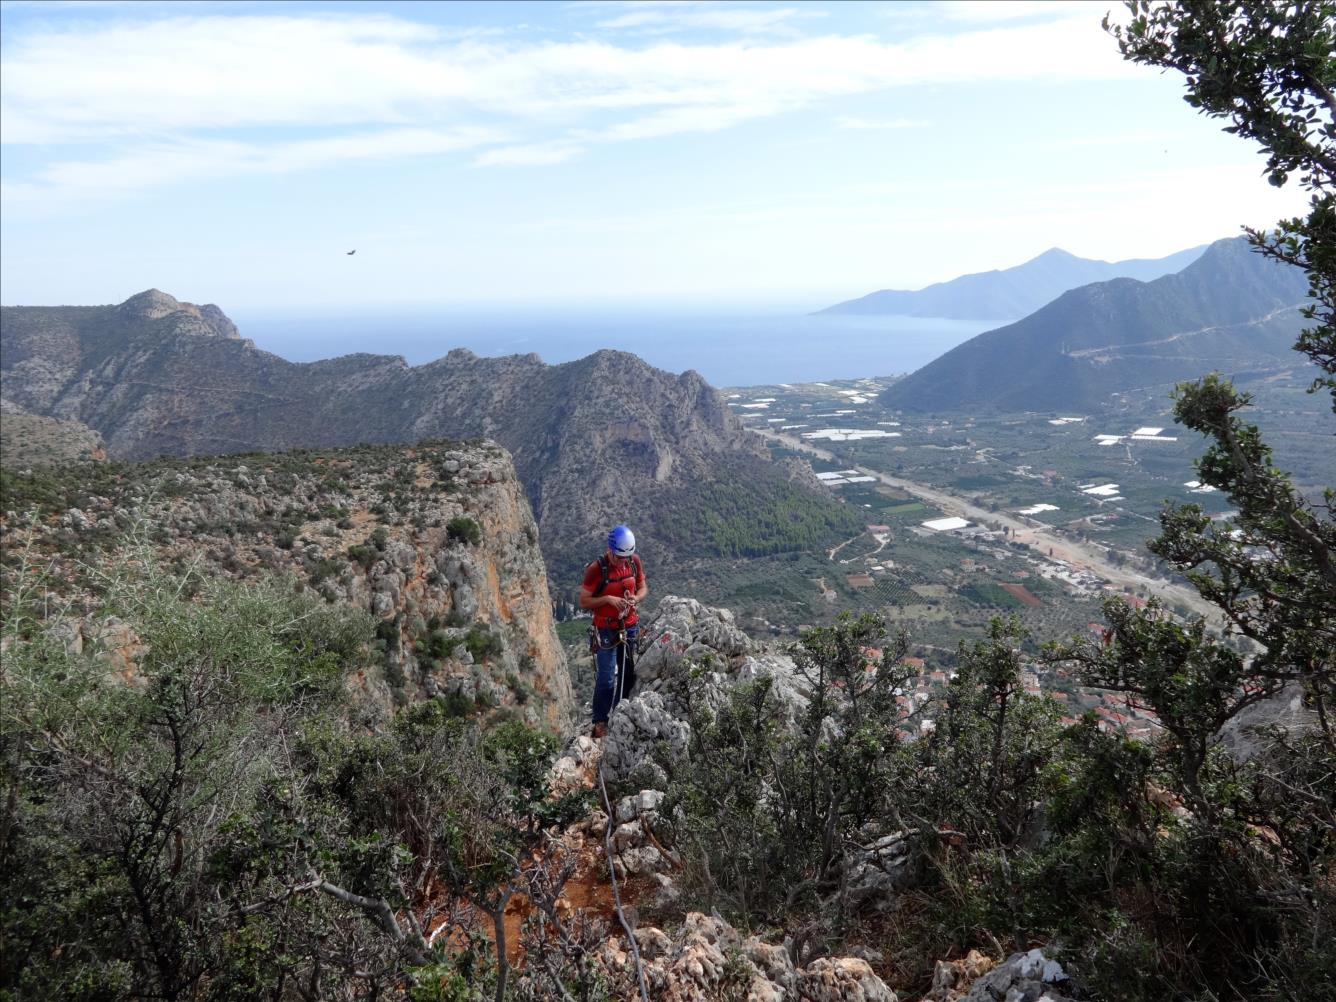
(729, 346)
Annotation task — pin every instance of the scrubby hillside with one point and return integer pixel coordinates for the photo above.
(435, 542)
(29, 440)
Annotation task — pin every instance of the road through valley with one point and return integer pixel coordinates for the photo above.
(1090, 556)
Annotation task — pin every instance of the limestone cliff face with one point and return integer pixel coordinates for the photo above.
(436, 541)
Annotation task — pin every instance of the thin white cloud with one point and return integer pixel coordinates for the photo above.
(855, 122)
(698, 118)
(194, 96)
(196, 160)
(689, 18)
(221, 72)
(528, 155)
(992, 11)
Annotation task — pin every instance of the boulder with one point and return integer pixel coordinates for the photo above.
(707, 959)
(1022, 977)
(842, 979)
(635, 730)
(684, 630)
(575, 769)
(876, 873)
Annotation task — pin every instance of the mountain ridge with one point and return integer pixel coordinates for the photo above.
(1110, 336)
(1009, 293)
(599, 440)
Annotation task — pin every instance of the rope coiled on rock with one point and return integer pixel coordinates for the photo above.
(616, 894)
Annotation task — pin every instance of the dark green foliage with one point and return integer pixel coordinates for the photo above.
(737, 520)
(983, 761)
(572, 631)
(216, 830)
(482, 643)
(766, 805)
(121, 793)
(441, 645)
(990, 593)
(1230, 897)
(1271, 70)
(323, 568)
(464, 530)
(387, 631)
(456, 704)
(363, 555)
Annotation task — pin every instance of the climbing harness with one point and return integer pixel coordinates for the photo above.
(624, 681)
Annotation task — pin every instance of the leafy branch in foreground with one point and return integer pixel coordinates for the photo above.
(189, 810)
(1270, 68)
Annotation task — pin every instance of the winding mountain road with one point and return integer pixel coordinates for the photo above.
(1034, 535)
(1114, 349)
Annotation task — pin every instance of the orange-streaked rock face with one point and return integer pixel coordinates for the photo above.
(435, 541)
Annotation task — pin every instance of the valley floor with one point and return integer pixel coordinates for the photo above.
(1045, 541)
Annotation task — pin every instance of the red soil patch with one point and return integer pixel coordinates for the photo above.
(1019, 591)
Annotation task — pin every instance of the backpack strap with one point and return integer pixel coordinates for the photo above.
(605, 571)
(603, 567)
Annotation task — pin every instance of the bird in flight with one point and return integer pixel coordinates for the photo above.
(352, 252)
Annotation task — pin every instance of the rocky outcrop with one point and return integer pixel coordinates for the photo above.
(642, 731)
(692, 655)
(707, 959)
(1022, 977)
(683, 630)
(695, 653)
(435, 541)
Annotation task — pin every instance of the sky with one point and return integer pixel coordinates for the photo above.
(530, 153)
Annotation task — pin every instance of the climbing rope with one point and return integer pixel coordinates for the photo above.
(616, 894)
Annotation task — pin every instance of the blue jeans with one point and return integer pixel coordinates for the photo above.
(606, 690)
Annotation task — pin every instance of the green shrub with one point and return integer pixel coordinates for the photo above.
(323, 568)
(441, 645)
(387, 631)
(464, 530)
(763, 809)
(482, 643)
(154, 813)
(456, 704)
(363, 555)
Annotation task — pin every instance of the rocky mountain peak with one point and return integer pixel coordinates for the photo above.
(154, 304)
(1056, 254)
(151, 304)
(219, 321)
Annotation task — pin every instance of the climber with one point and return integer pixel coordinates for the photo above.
(613, 585)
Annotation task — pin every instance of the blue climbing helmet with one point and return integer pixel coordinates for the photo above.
(622, 541)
